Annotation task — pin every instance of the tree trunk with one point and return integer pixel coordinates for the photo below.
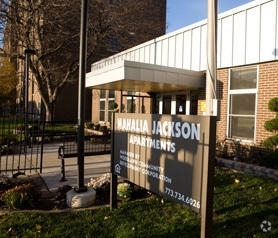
(49, 112)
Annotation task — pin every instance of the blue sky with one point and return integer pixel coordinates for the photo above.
(182, 13)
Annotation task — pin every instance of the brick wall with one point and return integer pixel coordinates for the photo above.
(222, 95)
(95, 105)
(267, 89)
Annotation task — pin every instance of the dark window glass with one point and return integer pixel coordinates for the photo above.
(243, 78)
(180, 104)
(242, 127)
(102, 93)
(243, 104)
(242, 107)
(166, 104)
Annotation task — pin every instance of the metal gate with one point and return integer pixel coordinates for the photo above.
(21, 143)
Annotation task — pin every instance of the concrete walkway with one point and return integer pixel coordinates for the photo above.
(94, 166)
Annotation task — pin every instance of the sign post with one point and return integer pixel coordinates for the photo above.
(171, 155)
(113, 182)
(208, 175)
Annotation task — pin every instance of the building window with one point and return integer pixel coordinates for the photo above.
(131, 106)
(111, 104)
(242, 103)
(102, 102)
(131, 102)
(107, 101)
(193, 103)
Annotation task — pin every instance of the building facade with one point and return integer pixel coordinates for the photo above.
(53, 32)
(170, 72)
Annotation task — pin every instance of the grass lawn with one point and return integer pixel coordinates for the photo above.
(241, 204)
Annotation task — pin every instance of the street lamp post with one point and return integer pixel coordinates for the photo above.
(207, 195)
(27, 52)
(211, 58)
(81, 97)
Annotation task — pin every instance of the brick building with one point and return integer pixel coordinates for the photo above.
(167, 74)
(144, 18)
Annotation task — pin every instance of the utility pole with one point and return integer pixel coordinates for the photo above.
(207, 196)
(211, 58)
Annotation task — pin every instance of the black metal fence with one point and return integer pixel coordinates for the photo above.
(94, 144)
(21, 147)
(22, 142)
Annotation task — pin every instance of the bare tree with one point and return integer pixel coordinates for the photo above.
(52, 28)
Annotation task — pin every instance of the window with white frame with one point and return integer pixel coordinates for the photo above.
(111, 104)
(102, 101)
(107, 100)
(242, 95)
(130, 102)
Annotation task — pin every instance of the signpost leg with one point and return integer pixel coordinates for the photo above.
(207, 201)
(113, 191)
(114, 178)
(207, 191)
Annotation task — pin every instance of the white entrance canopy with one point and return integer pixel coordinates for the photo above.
(142, 77)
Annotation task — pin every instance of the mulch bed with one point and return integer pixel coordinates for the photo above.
(47, 200)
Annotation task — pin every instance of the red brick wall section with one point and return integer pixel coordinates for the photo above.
(267, 89)
(95, 105)
(222, 95)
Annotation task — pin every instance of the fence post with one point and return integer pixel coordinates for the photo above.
(63, 176)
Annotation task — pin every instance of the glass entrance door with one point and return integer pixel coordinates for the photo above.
(166, 109)
(180, 104)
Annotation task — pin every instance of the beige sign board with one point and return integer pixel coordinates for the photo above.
(163, 153)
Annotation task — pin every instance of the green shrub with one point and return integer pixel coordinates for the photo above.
(89, 125)
(96, 127)
(271, 142)
(103, 128)
(270, 160)
(20, 197)
(273, 104)
(124, 191)
(113, 105)
(272, 126)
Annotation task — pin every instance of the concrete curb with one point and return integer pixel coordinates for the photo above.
(248, 168)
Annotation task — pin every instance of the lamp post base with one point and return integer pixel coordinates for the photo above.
(78, 199)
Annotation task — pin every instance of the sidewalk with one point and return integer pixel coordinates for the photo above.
(94, 166)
